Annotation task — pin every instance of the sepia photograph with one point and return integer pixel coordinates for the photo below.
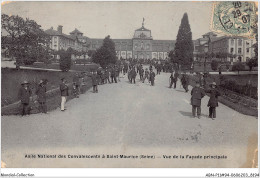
(129, 84)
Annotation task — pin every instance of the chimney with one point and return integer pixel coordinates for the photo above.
(59, 29)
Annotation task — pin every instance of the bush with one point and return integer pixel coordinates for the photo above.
(214, 65)
(238, 67)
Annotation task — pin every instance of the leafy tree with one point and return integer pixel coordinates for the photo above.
(65, 59)
(252, 63)
(214, 65)
(238, 67)
(183, 51)
(106, 54)
(27, 42)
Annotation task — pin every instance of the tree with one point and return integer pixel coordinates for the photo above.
(65, 59)
(214, 65)
(106, 54)
(184, 46)
(238, 67)
(27, 42)
(252, 63)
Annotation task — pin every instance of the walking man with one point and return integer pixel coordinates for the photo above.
(171, 80)
(213, 100)
(152, 77)
(113, 75)
(197, 94)
(95, 81)
(24, 95)
(141, 73)
(41, 96)
(64, 90)
(146, 75)
(184, 82)
(133, 75)
(176, 75)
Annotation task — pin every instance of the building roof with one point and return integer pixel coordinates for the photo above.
(53, 32)
(76, 31)
(210, 34)
(142, 29)
(213, 39)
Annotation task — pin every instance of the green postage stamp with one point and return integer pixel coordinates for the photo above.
(234, 18)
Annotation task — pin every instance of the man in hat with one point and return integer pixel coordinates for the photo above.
(41, 96)
(152, 77)
(146, 75)
(94, 78)
(64, 91)
(141, 73)
(24, 95)
(133, 75)
(176, 75)
(213, 100)
(106, 75)
(184, 82)
(197, 94)
(113, 75)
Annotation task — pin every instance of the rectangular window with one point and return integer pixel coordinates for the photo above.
(239, 50)
(239, 42)
(232, 41)
(247, 50)
(231, 50)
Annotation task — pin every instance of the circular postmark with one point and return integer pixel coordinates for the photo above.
(234, 18)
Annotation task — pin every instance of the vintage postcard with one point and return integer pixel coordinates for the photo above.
(129, 84)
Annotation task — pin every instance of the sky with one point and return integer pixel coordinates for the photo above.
(117, 19)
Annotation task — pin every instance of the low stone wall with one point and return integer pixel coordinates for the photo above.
(53, 101)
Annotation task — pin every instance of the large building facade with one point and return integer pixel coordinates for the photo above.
(141, 46)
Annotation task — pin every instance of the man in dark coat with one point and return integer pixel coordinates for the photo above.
(106, 76)
(141, 73)
(184, 82)
(197, 94)
(171, 80)
(41, 96)
(99, 73)
(146, 75)
(64, 91)
(176, 75)
(113, 75)
(133, 75)
(152, 77)
(213, 100)
(95, 80)
(24, 95)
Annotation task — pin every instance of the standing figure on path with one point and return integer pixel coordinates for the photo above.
(197, 94)
(141, 73)
(146, 75)
(41, 96)
(184, 82)
(64, 91)
(133, 75)
(24, 95)
(99, 73)
(113, 75)
(117, 72)
(94, 78)
(171, 80)
(152, 77)
(106, 76)
(176, 75)
(213, 100)
(76, 83)
(151, 67)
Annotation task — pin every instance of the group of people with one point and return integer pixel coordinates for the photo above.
(25, 93)
(143, 74)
